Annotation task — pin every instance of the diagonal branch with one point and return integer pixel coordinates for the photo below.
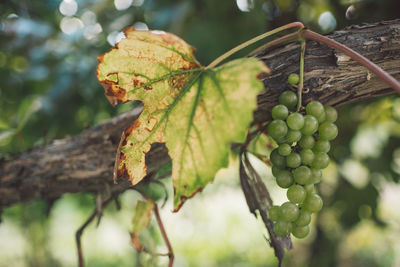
(84, 163)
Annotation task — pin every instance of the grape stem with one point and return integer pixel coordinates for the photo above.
(252, 41)
(301, 80)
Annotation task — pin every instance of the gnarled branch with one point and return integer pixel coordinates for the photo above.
(84, 163)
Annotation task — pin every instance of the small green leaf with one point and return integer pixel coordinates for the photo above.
(5, 136)
(141, 220)
(27, 108)
(196, 111)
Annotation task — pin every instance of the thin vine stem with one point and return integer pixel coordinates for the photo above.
(252, 41)
(164, 235)
(301, 74)
(294, 36)
(392, 82)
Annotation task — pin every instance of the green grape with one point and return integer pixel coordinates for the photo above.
(284, 178)
(280, 112)
(295, 121)
(282, 228)
(277, 160)
(284, 149)
(309, 188)
(293, 78)
(307, 141)
(303, 219)
(273, 213)
(316, 176)
(301, 231)
(293, 136)
(302, 175)
(312, 203)
(322, 146)
(288, 212)
(293, 160)
(310, 125)
(317, 110)
(275, 170)
(277, 129)
(327, 131)
(289, 99)
(296, 193)
(331, 114)
(321, 160)
(307, 156)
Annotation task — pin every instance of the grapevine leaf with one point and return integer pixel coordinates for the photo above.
(140, 221)
(196, 111)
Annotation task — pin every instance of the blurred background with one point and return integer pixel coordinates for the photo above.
(48, 90)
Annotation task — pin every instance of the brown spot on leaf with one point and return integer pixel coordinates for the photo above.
(263, 75)
(122, 172)
(114, 93)
(136, 243)
(128, 30)
(184, 198)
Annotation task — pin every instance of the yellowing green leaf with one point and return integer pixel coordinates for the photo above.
(196, 111)
(141, 220)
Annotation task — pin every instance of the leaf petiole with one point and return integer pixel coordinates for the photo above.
(252, 41)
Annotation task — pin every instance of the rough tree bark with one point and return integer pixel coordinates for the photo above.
(84, 163)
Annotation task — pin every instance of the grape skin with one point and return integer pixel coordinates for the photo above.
(288, 212)
(301, 231)
(293, 160)
(293, 79)
(312, 203)
(280, 112)
(295, 121)
(277, 129)
(289, 99)
(296, 194)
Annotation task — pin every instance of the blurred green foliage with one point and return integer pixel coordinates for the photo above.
(48, 90)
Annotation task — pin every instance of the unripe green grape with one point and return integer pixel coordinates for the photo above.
(327, 131)
(309, 188)
(316, 176)
(295, 121)
(280, 112)
(322, 146)
(301, 231)
(284, 178)
(317, 110)
(288, 212)
(282, 228)
(312, 203)
(293, 160)
(302, 175)
(275, 170)
(307, 156)
(307, 141)
(310, 125)
(289, 99)
(331, 114)
(273, 213)
(321, 160)
(293, 136)
(293, 78)
(303, 219)
(277, 129)
(296, 193)
(277, 160)
(284, 149)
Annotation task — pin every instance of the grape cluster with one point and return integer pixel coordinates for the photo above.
(303, 141)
